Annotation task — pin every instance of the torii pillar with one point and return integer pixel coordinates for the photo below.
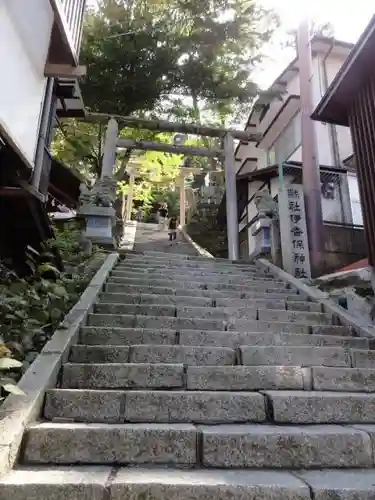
(184, 172)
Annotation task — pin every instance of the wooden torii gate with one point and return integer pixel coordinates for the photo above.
(225, 154)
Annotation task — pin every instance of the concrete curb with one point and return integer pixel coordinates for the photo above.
(201, 251)
(18, 411)
(329, 306)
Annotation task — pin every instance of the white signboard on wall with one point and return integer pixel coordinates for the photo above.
(293, 232)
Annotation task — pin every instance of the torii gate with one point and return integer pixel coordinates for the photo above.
(225, 153)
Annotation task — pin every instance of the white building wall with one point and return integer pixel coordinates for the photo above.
(25, 30)
(332, 66)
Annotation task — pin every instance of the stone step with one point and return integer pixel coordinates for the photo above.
(245, 378)
(212, 294)
(99, 354)
(270, 303)
(189, 355)
(192, 271)
(156, 322)
(74, 443)
(194, 406)
(336, 330)
(122, 376)
(294, 356)
(237, 339)
(250, 286)
(197, 271)
(188, 260)
(287, 447)
(314, 407)
(173, 311)
(154, 406)
(97, 483)
(134, 309)
(312, 318)
(190, 323)
(166, 274)
(280, 327)
(91, 335)
(343, 379)
(129, 336)
(248, 311)
(139, 298)
(363, 358)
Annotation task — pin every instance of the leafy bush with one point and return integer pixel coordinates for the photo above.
(7, 363)
(31, 308)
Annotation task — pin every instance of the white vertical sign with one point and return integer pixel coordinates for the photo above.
(294, 242)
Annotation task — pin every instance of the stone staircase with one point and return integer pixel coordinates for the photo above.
(201, 379)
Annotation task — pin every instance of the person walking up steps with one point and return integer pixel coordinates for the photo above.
(163, 215)
(172, 228)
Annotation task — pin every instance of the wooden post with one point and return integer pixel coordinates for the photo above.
(231, 198)
(182, 200)
(129, 200)
(110, 148)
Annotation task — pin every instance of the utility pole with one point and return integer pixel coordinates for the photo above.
(310, 160)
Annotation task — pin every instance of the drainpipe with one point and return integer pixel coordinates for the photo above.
(43, 133)
(346, 208)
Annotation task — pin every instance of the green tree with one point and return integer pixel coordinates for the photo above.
(141, 54)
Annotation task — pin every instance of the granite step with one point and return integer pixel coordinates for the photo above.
(97, 483)
(294, 356)
(212, 294)
(99, 354)
(135, 444)
(155, 299)
(237, 339)
(193, 272)
(245, 378)
(248, 311)
(155, 322)
(122, 376)
(164, 281)
(314, 407)
(312, 318)
(211, 273)
(198, 278)
(362, 358)
(113, 336)
(91, 335)
(286, 446)
(189, 355)
(343, 379)
(116, 406)
(213, 263)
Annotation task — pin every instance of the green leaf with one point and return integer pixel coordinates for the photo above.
(44, 268)
(9, 363)
(12, 389)
(60, 291)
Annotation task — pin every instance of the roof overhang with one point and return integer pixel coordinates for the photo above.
(70, 102)
(290, 107)
(335, 104)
